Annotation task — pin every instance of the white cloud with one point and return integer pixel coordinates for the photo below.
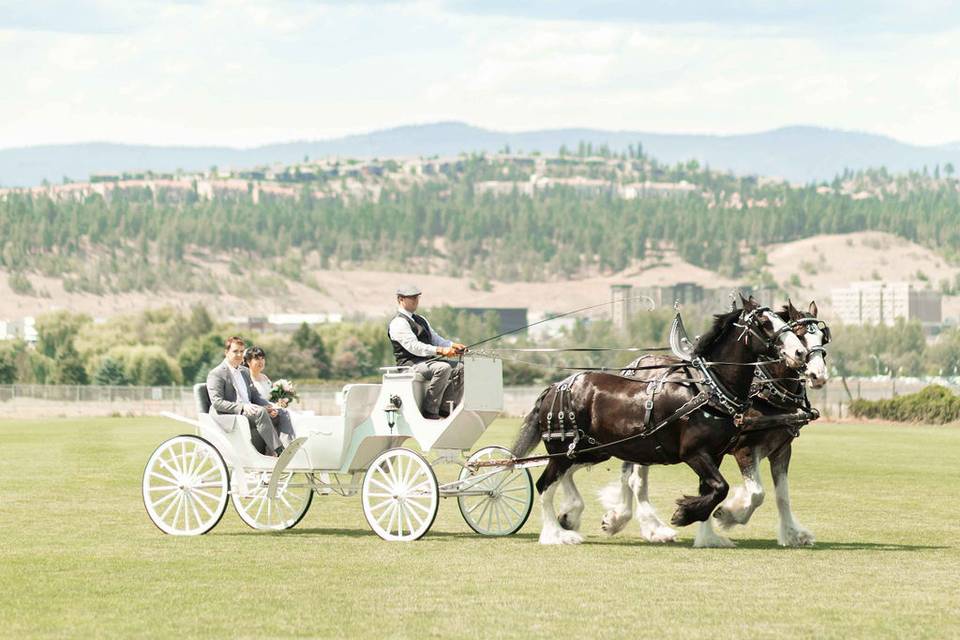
(245, 73)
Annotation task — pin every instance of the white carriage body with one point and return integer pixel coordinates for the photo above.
(189, 480)
(350, 441)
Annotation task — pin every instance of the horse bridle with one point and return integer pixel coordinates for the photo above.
(749, 325)
(811, 325)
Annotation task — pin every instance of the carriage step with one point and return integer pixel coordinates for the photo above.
(558, 435)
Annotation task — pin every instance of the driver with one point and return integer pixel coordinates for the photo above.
(418, 346)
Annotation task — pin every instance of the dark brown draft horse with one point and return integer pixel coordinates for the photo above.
(780, 408)
(691, 414)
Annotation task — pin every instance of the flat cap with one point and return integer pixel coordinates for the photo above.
(408, 290)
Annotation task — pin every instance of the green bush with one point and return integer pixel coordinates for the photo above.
(934, 404)
(21, 284)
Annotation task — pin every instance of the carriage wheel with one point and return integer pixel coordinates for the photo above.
(400, 495)
(507, 498)
(294, 495)
(185, 486)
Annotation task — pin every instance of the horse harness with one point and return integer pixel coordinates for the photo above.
(714, 396)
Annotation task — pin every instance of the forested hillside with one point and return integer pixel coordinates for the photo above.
(139, 240)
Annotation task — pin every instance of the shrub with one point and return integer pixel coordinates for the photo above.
(20, 284)
(934, 404)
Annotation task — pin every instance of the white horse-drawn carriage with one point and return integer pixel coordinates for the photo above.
(189, 479)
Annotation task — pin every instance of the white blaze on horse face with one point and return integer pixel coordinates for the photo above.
(792, 350)
(816, 372)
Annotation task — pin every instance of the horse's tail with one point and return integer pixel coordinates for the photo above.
(529, 436)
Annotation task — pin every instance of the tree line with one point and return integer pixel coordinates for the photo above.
(169, 347)
(138, 241)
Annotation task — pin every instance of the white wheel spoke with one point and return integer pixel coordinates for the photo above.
(173, 464)
(426, 510)
(171, 506)
(510, 506)
(193, 507)
(204, 506)
(406, 516)
(206, 494)
(164, 478)
(416, 516)
(380, 504)
(382, 486)
(263, 502)
(513, 490)
(160, 501)
(482, 501)
(210, 472)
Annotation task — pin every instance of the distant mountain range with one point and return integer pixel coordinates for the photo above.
(799, 154)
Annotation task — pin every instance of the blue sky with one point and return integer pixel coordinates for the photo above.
(249, 73)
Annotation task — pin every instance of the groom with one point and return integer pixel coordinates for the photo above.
(232, 391)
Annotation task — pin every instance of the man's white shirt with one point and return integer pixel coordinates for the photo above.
(400, 331)
(239, 384)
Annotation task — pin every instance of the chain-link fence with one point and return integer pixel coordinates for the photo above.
(34, 400)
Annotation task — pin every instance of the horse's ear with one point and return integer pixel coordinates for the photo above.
(749, 303)
(813, 308)
(743, 301)
(792, 311)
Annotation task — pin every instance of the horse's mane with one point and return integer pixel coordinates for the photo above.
(721, 322)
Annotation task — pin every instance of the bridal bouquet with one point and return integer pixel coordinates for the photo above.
(283, 392)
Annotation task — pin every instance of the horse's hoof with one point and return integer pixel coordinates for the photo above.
(560, 536)
(662, 534)
(798, 537)
(613, 522)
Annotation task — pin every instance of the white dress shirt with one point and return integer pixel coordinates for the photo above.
(239, 384)
(400, 331)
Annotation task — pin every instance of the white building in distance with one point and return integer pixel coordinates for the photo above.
(884, 302)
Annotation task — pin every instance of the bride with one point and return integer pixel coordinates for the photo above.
(256, 360)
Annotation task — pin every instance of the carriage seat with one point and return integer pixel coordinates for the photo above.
(202, 398)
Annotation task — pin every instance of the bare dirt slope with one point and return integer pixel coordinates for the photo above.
(827, 262)
(821, 263)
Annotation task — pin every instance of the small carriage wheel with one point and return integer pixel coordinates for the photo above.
(400, 495)
(294, 495)
(506, 497)
(185, 486)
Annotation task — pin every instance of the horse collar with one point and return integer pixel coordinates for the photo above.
(721, 398)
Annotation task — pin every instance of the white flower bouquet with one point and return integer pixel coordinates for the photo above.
(283, 392)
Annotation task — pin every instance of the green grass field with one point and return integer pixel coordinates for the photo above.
(80, 558)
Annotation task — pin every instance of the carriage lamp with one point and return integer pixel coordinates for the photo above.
(393, 405)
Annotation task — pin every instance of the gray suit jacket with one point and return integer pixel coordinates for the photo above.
(223, 395)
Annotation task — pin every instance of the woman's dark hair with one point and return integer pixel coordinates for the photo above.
(252, 353)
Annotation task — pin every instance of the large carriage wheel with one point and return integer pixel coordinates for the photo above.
(185, 486)
(400, 495)
(289, 505)
(505, 499)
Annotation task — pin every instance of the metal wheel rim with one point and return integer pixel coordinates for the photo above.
(506, 511)
(400, 495)
(185, 486)
(283, 512)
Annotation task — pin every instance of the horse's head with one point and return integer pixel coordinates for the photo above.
(816, 335)
(768, 334)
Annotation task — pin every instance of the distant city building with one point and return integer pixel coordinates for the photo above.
(23, 329)
(508, 318)
(884, 302)
(621, 305)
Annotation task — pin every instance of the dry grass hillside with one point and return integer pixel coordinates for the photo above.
(820, 263)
